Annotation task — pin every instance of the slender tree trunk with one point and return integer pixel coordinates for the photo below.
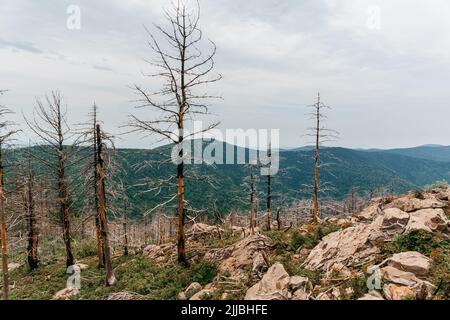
(64, 206)
(252, 204)
(100, 254)
(268, 201)
(33, 236)
(3, 230)
(125, 231)
(316, 165)
(180, 168)
(110, 278)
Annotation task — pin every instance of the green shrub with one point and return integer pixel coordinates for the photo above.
(417, 240)
(418, 194)
(204, 272)
(85, 248)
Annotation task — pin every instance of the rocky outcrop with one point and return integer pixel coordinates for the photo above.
(358, 244)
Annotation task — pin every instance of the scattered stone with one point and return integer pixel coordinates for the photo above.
(273, 285)
(66, 294)
(204, 294)
(300, 295)
(299, 283)
(13, 266)
(192, 289)
(395, 292)
(372, 295)
(124, 295)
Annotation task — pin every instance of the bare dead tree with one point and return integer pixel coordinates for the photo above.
(50, 125)
(321, 134)
(33, 233)
(185, 71)
(101, 176)
(269, 189)
(5, 135)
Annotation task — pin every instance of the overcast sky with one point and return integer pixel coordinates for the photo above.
(388, 82)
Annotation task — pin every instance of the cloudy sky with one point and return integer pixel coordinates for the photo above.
(387, 76)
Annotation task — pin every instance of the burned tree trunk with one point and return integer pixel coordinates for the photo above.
(3, 231)
(110, 278)
(33, 236)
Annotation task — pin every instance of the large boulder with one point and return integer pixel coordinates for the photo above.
(400, 277)
(242, 255)
(273, 286)
(428, 220)
(348, 247)
(411, 261)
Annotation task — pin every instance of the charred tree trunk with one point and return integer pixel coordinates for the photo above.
(33, 236)
(110, 278)
(3, 230)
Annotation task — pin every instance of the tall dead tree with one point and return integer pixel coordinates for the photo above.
(185, 71)
(50, 125)
(320, 135)
(5, 135)
(88, 138)
(269, 190)
(101, 176)
(33, 236)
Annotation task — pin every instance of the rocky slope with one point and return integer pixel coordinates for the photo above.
(359, 250)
